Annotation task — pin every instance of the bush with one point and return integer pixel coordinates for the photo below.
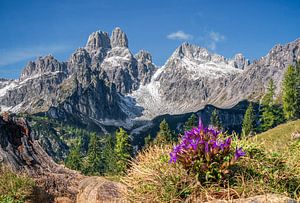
(13, 187)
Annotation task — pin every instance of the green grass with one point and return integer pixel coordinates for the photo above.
(279, 138)
(14, 188)
(278, 141)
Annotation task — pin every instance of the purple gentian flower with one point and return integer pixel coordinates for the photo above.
(173, 157)
(238, 153)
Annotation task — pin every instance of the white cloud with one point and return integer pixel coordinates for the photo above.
(180, 35)
(214, 38)
(11, 56)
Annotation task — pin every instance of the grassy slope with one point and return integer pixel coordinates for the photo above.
(279, 138)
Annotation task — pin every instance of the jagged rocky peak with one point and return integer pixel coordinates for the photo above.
(42, 65)
(80, 56)
(145, 66)
(97, 40)
(118, 38)
(240, 62)
(199, 54)
(144, 56)
(282, 53)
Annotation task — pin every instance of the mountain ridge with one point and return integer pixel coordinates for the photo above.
(106, 83)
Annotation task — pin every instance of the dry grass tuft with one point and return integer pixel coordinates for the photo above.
(151, 177)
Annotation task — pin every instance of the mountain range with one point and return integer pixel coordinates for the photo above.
(104, 84)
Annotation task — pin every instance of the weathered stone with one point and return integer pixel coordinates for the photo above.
(98, 190)
(118, 38)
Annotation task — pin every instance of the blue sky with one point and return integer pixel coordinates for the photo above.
(33, 28)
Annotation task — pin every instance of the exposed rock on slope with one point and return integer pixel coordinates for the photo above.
(22, 153)
(186, 83)
(254, 80)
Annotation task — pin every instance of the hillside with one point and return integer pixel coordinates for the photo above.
(279, 138)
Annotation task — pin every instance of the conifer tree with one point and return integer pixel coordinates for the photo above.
(249, 120)
(94, 163)
(215, 120)
(165, 135)
(271, 111)
(122, 150)
(190, 123)
(110, 160)
(291, 92)
(74, 159)
(147, 140)
(298, 90)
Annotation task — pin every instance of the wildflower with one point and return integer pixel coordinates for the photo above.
(238, 153)
(204, 150)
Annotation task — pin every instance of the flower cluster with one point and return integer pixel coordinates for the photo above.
(206, 151)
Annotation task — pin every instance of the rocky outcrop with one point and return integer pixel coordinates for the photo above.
(41, 66)
(99, 190)
(118, 38)
(146, 68)
(22, 153)
(240, 62)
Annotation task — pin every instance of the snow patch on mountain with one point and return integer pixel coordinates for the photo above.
(6, 86)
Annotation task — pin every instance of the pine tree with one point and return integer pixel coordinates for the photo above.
(297, 106)
(164, 135)
(271, 111)
(94, 163)
(215, 120)
(122, 150)
(74, 159)
(110, 160)
(147, 140)
(289, 93)
(249, 120)
(190, 123)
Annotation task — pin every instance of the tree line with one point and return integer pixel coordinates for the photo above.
(276, 110)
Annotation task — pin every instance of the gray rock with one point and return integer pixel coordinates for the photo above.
(98, 40)
(145, 67)
(240, 62)
(253, 82)
(118, 38)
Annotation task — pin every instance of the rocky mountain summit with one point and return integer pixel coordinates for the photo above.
(105, 84)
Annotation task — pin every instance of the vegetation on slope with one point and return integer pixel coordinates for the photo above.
(266, 168)
(14, 188)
